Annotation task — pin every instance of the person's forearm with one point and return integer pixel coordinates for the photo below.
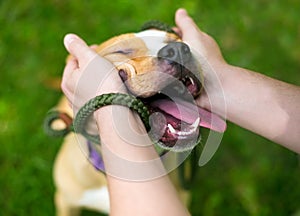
(124, 133)
(263, 105)
(153, 197)
(133, 174)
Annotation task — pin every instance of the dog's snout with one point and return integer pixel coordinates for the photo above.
(176, 52)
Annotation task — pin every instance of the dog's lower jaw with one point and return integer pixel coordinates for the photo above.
(172, 133)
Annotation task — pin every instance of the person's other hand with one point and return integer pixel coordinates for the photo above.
(208, 53)
(198, 40)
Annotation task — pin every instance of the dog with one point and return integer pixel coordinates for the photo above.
(157, 67)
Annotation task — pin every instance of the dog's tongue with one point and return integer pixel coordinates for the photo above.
(188, 113)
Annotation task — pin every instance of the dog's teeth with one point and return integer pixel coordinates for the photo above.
(172, 130)
(184, 134)
(192, 128)
(195, 124)
(192, 81)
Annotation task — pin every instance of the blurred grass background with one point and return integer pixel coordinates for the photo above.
(248, 175)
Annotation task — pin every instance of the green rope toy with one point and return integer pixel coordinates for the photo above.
(155, 24)
(109, 99)
(87, 110)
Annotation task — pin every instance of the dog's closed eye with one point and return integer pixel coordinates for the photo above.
(124, 52)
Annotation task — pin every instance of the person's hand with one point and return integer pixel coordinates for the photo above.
(198, 40)
(87, 74)
(208, 53)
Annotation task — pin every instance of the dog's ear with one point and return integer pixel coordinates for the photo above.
(155, 24)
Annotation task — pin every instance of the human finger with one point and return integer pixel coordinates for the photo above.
(94, 47)
(79, 49)
(70, 68)
(186, 24)
(71, 65)
(70, 76)
(177, 31)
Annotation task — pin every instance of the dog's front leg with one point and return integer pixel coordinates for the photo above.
(63, 208)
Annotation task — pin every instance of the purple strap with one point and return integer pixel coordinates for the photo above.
(95, 157)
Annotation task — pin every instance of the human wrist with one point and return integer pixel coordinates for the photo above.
(214, 86)
(123, 133)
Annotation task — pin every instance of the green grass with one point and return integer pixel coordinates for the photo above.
(248, 175)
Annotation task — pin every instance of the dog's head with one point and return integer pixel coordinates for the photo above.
(147, 59)
(159, 68)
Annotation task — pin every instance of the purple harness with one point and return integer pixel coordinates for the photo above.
(95, 158)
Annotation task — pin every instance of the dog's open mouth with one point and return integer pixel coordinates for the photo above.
(175, 119)
(177, 123)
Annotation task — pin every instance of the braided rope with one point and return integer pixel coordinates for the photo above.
(52, 116)
(156, 24)
(94, 104)
(80, 121)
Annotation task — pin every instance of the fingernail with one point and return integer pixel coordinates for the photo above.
(183, 11)
(69, 38)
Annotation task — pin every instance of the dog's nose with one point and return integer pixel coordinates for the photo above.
(176, 52)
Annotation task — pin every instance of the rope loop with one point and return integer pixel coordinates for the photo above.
(109, 99)
(51, 117)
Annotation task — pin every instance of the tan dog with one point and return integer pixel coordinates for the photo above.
(145, 61)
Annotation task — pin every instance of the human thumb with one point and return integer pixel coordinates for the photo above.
(78, 48)
(186, 24)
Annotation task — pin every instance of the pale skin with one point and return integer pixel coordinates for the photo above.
(256, 102)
